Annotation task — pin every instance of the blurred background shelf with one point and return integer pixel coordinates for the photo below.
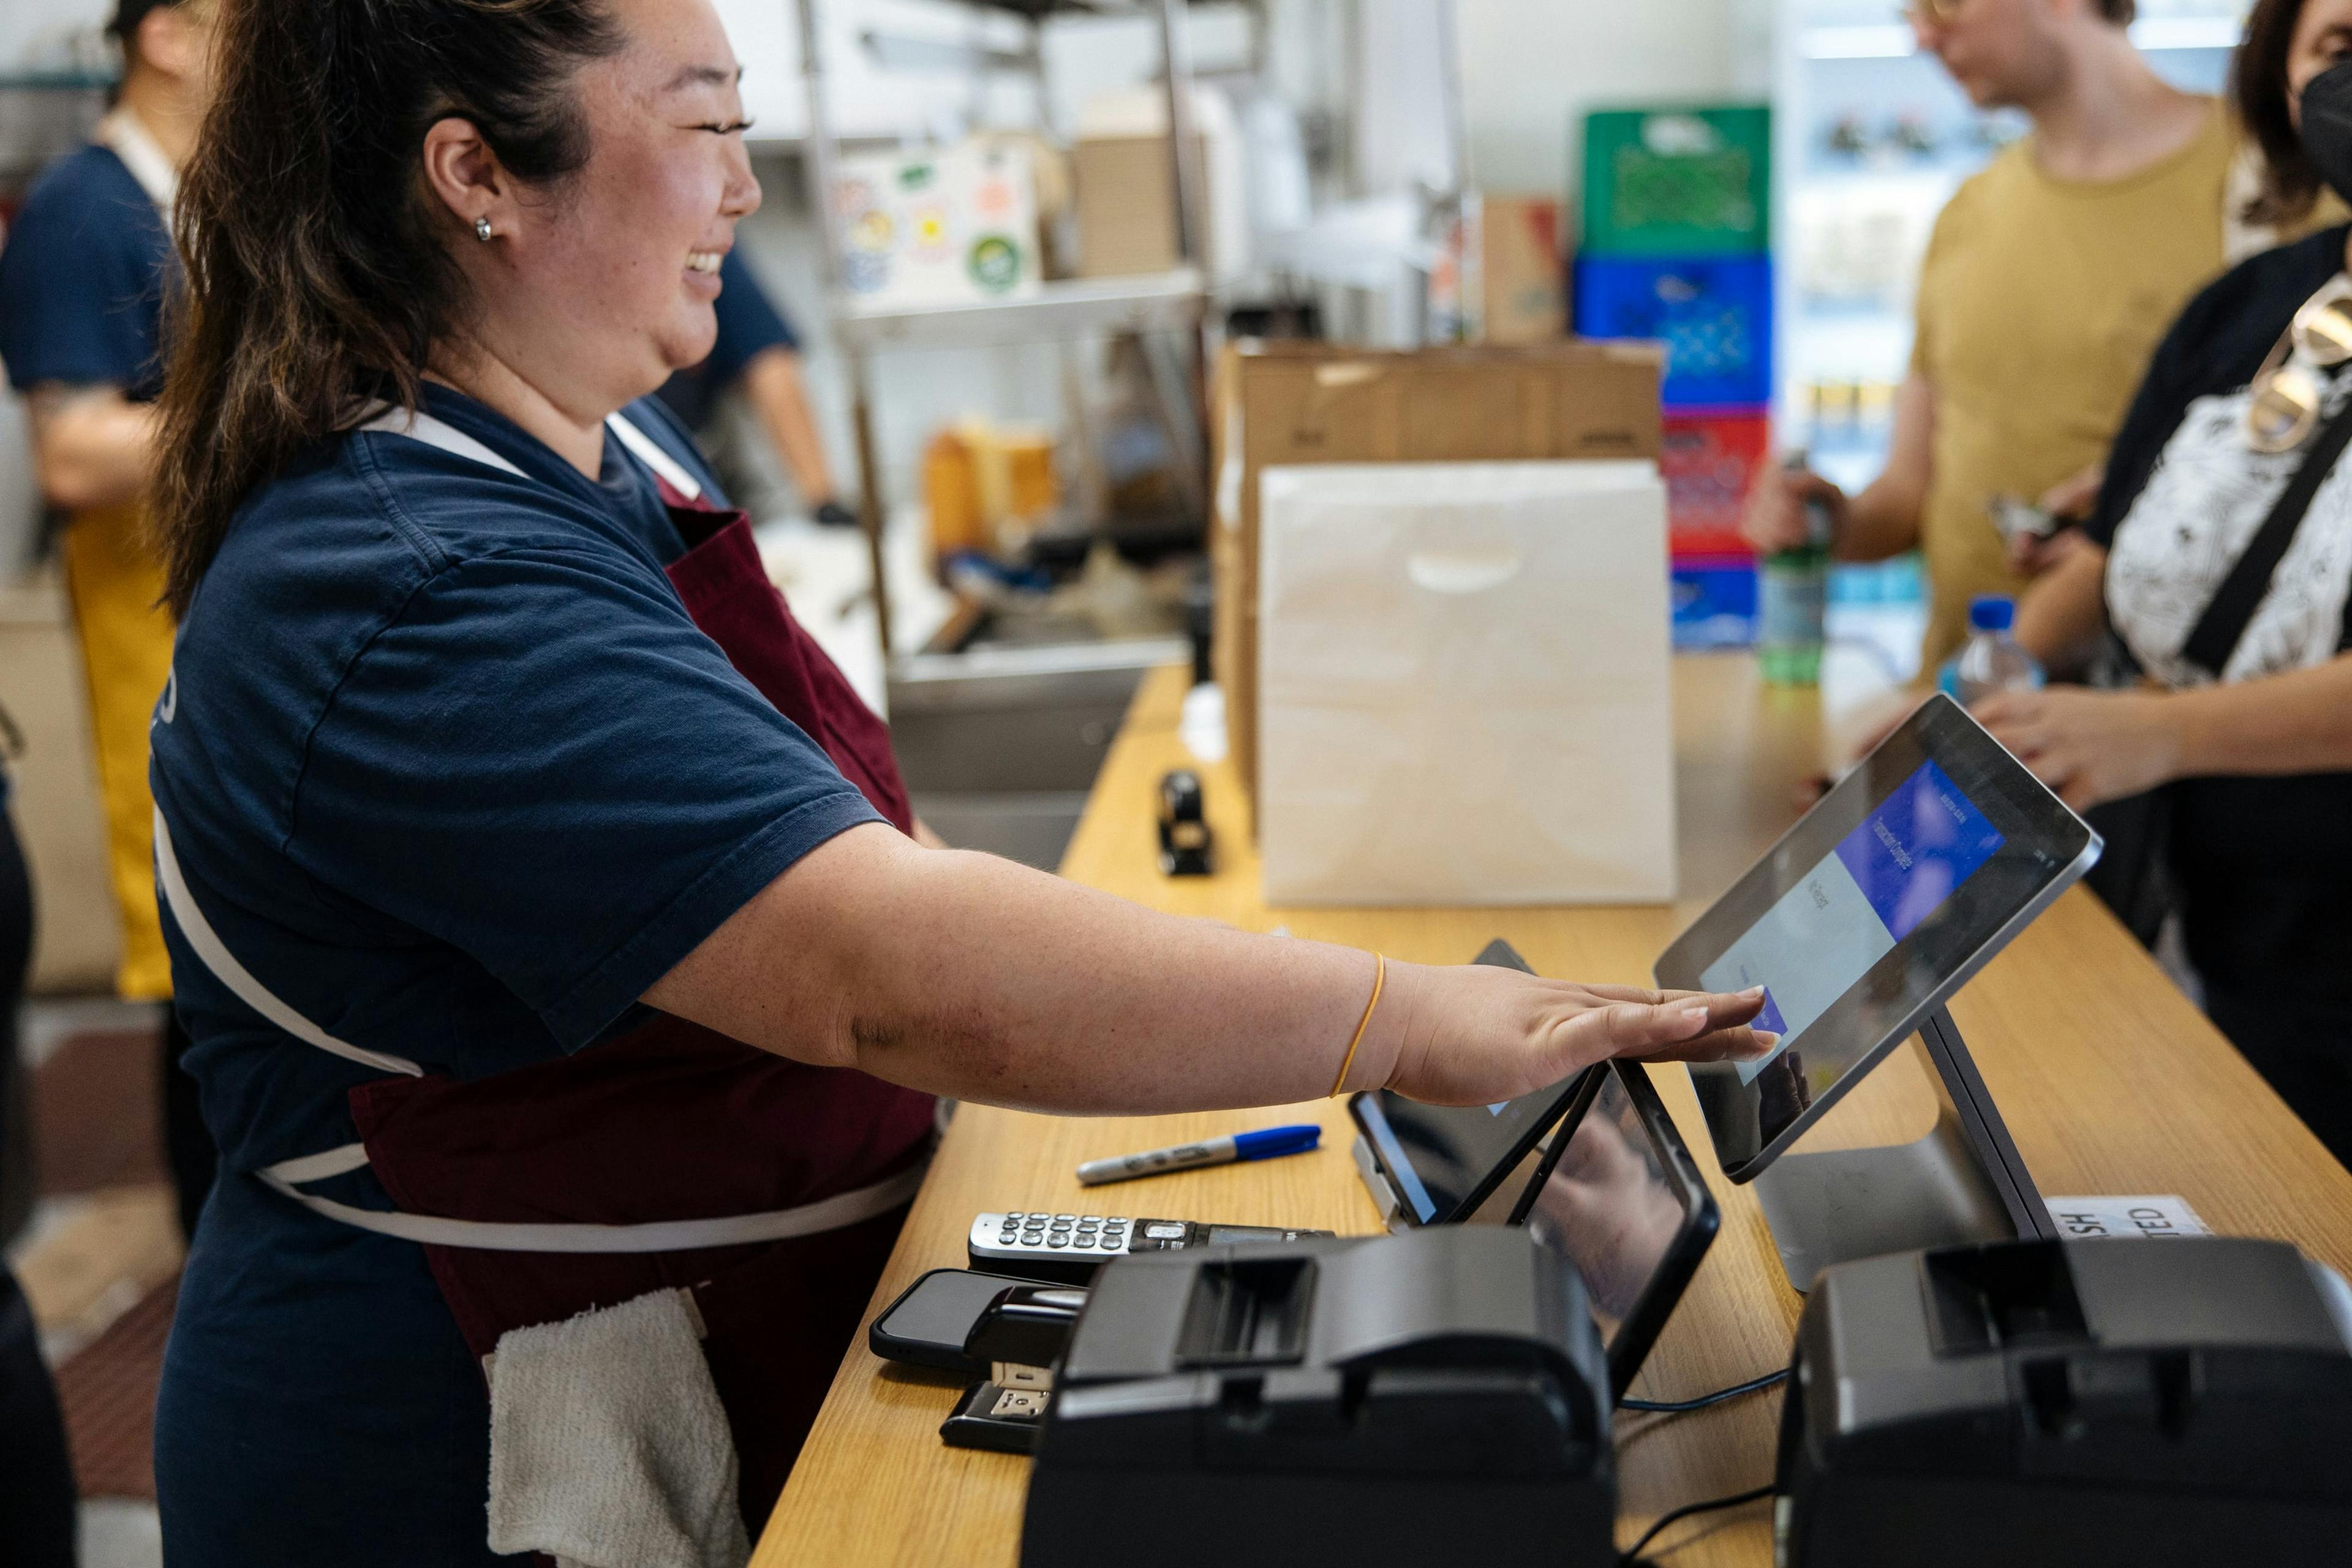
(1894, 40)
(1063, 308)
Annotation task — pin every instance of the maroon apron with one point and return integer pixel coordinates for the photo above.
(669, 1123)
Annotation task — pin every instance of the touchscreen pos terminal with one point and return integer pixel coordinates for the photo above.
(1860, 923)
(1592, 1167)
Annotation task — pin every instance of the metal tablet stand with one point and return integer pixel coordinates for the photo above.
(1963, 1182)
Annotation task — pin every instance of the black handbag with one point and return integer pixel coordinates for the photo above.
(2134, 876)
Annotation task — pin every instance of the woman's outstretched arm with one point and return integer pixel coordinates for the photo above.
(970, 975)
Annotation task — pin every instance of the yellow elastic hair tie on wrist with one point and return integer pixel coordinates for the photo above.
(1379, 978)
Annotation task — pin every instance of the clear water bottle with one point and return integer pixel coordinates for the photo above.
(1792, 593)
(1991, 659)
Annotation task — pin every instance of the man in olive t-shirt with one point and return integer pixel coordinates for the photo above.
(2049, 279)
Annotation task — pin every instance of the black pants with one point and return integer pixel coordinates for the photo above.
(2306, 1057)
(187, 1141)
(36, 1485)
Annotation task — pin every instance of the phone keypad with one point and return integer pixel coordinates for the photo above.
(1023, 1232)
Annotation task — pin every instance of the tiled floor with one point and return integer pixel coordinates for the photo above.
(102, 1246)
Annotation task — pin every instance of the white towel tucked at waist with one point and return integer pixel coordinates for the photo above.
(608, 1444)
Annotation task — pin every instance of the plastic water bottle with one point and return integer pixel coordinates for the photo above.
(1991, 659)
(1792, 591)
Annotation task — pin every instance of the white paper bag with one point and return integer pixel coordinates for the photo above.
(1463, 690)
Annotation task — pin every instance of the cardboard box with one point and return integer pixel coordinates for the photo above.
(1126, 193)
(1287, 403)
(1523, 270)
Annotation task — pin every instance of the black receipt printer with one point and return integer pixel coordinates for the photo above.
(1440, 1397)
(2145, 1401)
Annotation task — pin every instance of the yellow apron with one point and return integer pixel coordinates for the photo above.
(117, 586)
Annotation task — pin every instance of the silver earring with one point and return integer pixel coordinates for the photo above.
(482, 230)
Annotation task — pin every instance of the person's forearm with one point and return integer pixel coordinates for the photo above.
(1881, 521)
(92, 446)
(773, 380)
(2299, 723)
(2060, 618)
(969, 975)
(965, 974)
(1884, 519)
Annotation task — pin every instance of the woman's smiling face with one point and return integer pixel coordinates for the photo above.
(598, 285)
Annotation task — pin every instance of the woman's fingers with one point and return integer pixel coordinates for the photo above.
(1634, 994)
(1721, 1005)
(2002, 710)
(1725, 1008)
(1734, 1044)
(1653, 1031)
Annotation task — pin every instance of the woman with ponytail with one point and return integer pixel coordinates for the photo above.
(542, 905)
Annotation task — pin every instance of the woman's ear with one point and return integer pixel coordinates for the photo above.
(466, 176)
(171, 40)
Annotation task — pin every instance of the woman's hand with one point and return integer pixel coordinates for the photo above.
(2089, 746)
(2070, 501)
(1476, 1034)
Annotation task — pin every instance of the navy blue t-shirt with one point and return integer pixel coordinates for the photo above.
(749, 325)
(450, 771)
(83, 279)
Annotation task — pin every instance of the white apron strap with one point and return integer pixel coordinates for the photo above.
(648, 452)
(121, 130)
(225, 969)
(439, 433)
(419, 425)
(288, 1176)
(843, 1209)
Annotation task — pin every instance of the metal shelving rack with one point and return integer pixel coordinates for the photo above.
(1062, 310)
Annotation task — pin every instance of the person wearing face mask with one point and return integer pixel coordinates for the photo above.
(541, 902)
(2209, 604)
(2048, 279)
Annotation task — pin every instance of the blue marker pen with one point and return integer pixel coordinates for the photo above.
(1262, 1144)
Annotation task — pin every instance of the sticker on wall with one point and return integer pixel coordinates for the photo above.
(996, 264)
(951, 226)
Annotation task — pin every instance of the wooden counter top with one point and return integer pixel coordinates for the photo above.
(2110, 1082)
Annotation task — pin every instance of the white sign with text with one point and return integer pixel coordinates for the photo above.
(2146, 1216)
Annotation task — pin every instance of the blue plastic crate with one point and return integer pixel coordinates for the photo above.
(1714, 313)
(1713, 603)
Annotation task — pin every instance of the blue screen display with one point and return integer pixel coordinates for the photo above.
(1895, 869)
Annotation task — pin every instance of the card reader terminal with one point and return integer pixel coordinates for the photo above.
(1071, 1247)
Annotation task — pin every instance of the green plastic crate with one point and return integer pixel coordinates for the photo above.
(1677, 181)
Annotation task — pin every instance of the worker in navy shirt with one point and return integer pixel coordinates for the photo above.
(83, 278)
(757, 351)
(543, 906)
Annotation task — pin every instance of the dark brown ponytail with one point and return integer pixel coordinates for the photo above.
(317, 282)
